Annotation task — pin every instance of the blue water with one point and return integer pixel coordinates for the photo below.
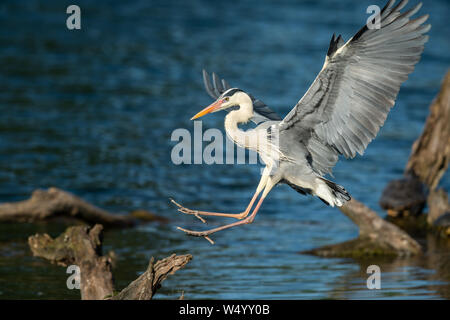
(92, 111)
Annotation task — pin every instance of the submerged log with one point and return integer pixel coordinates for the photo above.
(52, 203)
(427, 163)
(376, 236)
(82, 246)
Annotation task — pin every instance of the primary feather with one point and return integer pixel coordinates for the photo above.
(345, 106)
(349, 100)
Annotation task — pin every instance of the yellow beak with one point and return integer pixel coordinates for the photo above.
(211, 108)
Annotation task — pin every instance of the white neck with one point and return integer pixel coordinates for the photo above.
(256, 140)
(241, 115)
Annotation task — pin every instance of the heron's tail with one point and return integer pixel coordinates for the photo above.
(332, 193)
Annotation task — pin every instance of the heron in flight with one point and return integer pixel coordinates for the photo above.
(340, 114)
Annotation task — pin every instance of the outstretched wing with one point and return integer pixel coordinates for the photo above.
(349, 100)
(261, 111)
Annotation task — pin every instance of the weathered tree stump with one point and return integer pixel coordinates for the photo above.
(438, 205)
(53, 203)
(82, 246)
(431, 152)
(144, 287)
(427, 163)
(439, 212)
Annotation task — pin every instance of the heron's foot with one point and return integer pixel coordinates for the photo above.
(185, 210)
(203, 234)
(196, 233)
(206, 233)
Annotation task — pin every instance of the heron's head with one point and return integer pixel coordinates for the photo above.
(230, 98)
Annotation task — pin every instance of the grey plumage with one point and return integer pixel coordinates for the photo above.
(348, 102)
(340, 113)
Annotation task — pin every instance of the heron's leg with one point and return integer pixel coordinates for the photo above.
(239, 216)
(269, 185)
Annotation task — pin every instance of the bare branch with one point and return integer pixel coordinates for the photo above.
(144, 287)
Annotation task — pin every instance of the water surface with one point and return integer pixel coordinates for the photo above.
(92, 112)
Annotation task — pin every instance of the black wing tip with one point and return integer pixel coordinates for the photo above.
(335, 44)
(389, 6)
(331, 46)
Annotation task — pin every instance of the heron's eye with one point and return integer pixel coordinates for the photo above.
(226, 99)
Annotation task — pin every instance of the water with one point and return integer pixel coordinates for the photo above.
(92, 112)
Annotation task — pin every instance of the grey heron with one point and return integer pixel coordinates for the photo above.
(340, 114)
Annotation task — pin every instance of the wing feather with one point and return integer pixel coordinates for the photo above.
(348, 102)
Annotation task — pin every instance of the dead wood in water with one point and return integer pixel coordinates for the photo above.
(144, 287)
(438, 205)
(376, 236)
(431, 152)
(427, 163)
(82, 246)
(52, 203)
(439, 212)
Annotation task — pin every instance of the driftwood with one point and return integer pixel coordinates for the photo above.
(376, 236)
(144, 287)
(438, 205)
(427, 163)
(53, 203)
(431, 152)
(82, 246)
(439, 212)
